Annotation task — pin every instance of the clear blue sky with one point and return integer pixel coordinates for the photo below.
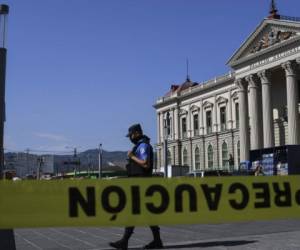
(80, 72)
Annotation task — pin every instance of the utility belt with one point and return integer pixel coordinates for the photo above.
(136, 170)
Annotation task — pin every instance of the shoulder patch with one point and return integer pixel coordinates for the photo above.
(142, 150)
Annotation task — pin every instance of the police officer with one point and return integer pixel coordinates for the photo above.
(140, 164)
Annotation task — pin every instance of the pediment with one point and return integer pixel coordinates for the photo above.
(221, 99)
(270, 34)
(207, 104)
(234, 95)
(194, 108)
(183, 112)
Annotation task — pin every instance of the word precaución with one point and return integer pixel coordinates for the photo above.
(261, 192)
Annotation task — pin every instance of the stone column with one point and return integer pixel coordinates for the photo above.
(173, 124)
(177, 124)
(255, 134)
(203, 154)
(229, 121)
(189, 123)
(191, 154)
(174, 155)
(215, 115)
(161, 127)
(292, 102)
(158, 158)
(243, 114)
(158, 127)
(267, 108)
(201, 118)
(199, 114)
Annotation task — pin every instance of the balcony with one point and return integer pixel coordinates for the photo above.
(223, 127)
(196, 132)
(208, 130)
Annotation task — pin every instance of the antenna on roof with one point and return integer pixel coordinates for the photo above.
(273, 11)
(187, 70)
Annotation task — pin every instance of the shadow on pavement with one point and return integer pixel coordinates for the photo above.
(227, 243)
(213, 244)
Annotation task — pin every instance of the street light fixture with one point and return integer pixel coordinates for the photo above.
(4, 9)
(100, 161)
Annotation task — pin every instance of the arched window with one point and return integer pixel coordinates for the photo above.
(238, 153)
(210, 156)
(169, 158)
(185, 157)
(208, 122)
(197, 158)
(167, 124)
(223, 118)
(196, 125)
(225, 163)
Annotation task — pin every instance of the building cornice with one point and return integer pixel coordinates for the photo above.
(196, 90)
(222, 91)
(217, 81)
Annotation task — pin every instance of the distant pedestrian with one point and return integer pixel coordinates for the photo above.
(140, 164)
(259, 171)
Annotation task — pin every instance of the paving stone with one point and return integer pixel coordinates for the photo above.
(273, 235)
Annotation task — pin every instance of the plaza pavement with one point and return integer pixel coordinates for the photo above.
(272, 235)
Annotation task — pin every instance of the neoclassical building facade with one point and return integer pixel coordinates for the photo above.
(254, 106)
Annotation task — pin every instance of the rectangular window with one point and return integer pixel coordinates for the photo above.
(208, 122)
(223, 118)
(237, 116)
(196, 126)
(183, 124)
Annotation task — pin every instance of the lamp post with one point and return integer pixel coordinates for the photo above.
(7, 240)
(4, 9)
(100, 161)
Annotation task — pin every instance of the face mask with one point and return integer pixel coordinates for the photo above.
(134, 140)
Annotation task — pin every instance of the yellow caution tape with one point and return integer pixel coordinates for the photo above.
(148, 201)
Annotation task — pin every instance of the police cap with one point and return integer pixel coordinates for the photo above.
(134, 128)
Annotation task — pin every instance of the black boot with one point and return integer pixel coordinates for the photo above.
(156, 243)
(122, 244)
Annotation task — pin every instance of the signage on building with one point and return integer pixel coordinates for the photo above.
(275, 58)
